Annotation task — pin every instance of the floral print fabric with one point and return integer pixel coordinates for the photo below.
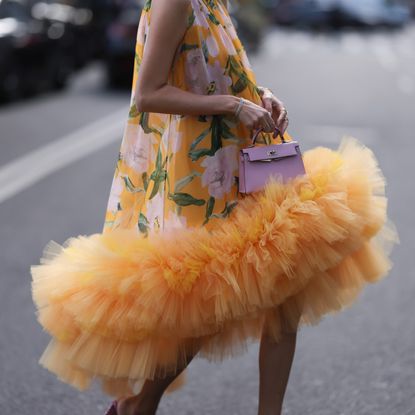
(173, 170)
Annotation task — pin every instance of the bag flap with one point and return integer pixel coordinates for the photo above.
(273, 151)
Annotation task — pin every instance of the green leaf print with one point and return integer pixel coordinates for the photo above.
(143, 223)
(226, 131)
(233, 67)
(212, 4)
(147, 5)
(216, 133)
(130, 185)
(133, 113)
(180, 184)
(226, 210)
(196, 154)
(213, 19)
(209, 209)
(199, 138)
(144, 178)
(159, 175)
(188, 46)
(215, 143)
(191, 19)
(205, 51)
(202, 118)
(144, 122)
(185, 199)
(239, 86)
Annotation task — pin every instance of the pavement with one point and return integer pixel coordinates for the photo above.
(57, 157)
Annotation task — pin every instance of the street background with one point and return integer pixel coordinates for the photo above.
(58, 150)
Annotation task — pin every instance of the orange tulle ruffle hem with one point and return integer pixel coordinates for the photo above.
(123, 308)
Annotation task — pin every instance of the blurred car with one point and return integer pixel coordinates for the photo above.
(72, 25)
(43, 42)
(340, 13)
(120, 43)
(370, 13)
(303, 13)
(26, 47)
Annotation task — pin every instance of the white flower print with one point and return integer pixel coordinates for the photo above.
(154, 211)
(199, 74)
(219, 172)
(212, 45)
(176, 141)
(222, 81)
(229, 24)
(226, 40)
(172, 141)
(137, 148)
(231, 30)
(200, 11)
(195, 71)
(115, 193)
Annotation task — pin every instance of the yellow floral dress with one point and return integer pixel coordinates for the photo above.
(183, 263)
(181, 170)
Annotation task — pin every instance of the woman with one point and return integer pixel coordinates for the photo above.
(185, 264)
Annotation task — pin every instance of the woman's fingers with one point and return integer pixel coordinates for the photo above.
(267, 102)
(280, 115)
(255, 117)
(284, 126)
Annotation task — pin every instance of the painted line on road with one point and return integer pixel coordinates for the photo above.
(24, 171)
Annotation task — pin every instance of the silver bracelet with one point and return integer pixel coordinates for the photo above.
(239, 108)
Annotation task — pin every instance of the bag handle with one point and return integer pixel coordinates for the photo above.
(260, 129)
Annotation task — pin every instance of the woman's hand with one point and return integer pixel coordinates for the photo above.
(254, 117)
(278, 112)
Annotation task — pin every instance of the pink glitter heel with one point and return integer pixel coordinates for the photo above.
(112, 410)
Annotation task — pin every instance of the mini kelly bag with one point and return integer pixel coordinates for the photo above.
(258, 163)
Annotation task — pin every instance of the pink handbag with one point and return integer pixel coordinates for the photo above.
(257, 164)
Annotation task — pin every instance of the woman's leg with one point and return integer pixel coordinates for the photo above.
(146, 402)
(275, 361)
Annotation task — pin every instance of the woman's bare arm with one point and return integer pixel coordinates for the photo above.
(153, 94)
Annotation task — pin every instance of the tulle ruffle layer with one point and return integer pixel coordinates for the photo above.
(122, 308)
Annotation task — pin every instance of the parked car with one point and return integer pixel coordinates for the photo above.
(27, 46)
(370, 13)
(340, 13)
(120, 43)
(303, 13)
(73, 26)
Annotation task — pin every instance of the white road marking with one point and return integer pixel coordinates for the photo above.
(24, 171)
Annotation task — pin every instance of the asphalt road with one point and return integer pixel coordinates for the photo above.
(359, 362)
